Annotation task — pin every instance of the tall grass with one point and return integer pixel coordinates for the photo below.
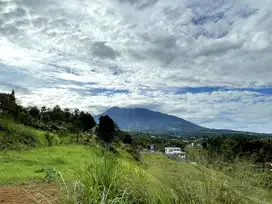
(244, 182)
(105, 179)
(92, 175)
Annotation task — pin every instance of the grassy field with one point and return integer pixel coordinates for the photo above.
(19, 166)
(155, 178)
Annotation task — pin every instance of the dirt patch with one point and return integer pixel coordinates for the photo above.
(28, 193)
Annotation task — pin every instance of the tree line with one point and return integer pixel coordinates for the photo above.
(56, 118)
(63, 120)
(239, 146)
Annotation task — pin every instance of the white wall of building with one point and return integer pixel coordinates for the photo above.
(172, 150)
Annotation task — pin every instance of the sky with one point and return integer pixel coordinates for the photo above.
(207, 61)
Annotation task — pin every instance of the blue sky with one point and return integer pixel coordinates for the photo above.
(206, 61)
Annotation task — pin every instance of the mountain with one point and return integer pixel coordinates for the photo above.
(144, 120)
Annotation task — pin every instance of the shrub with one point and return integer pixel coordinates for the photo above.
(136, 156)
(127, 139)
(114, 150)
(134, 153)
(266, 180)
(28, 138)
(49, 139)
(50, 174)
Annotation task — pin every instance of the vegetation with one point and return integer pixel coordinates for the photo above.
(56, 119)
(106, 129)
(55, 145)
(239, 146)
(102, 177)
(159, 142)
(16, 136)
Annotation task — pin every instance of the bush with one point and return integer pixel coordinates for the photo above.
(127, 139)
(134, 153)
(114, 150)
(49, 139)
(50, 174)
(136, 156)
(266, 180)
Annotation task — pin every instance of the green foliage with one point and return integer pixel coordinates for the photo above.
(127, 139)
(34, 112)
(86, 120)
(266, 180)
(231, 147)
(56, 119)
(49, 139)
(14, 137)
(159, 142)
(50, 174)
(134, 153)
(113, 150)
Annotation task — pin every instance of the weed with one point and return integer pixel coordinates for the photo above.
(50, 174)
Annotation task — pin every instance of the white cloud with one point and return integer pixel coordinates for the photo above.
(47, 45)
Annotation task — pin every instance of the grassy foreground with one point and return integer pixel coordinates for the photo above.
(91, 175)
(21, 166)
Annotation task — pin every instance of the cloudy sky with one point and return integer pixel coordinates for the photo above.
(207, 61)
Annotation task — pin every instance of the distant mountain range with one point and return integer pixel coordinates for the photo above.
(147, 121)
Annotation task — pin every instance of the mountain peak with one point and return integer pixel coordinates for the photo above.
(114, 108)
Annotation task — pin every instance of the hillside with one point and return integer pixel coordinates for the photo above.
(155, 180)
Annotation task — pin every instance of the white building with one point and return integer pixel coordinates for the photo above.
(175, 151)
(172, 150)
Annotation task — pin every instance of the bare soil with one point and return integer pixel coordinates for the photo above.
(29, 193)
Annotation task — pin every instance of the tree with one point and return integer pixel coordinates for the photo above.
(57, 114)
(106, 129)
(67, 114)
(127, 139)
(77, 125)
(87, 121)
(34, 112)
(43, 111)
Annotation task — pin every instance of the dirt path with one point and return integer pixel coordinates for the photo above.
(28, 193)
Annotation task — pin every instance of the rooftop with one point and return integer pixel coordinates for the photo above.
(172, 147)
